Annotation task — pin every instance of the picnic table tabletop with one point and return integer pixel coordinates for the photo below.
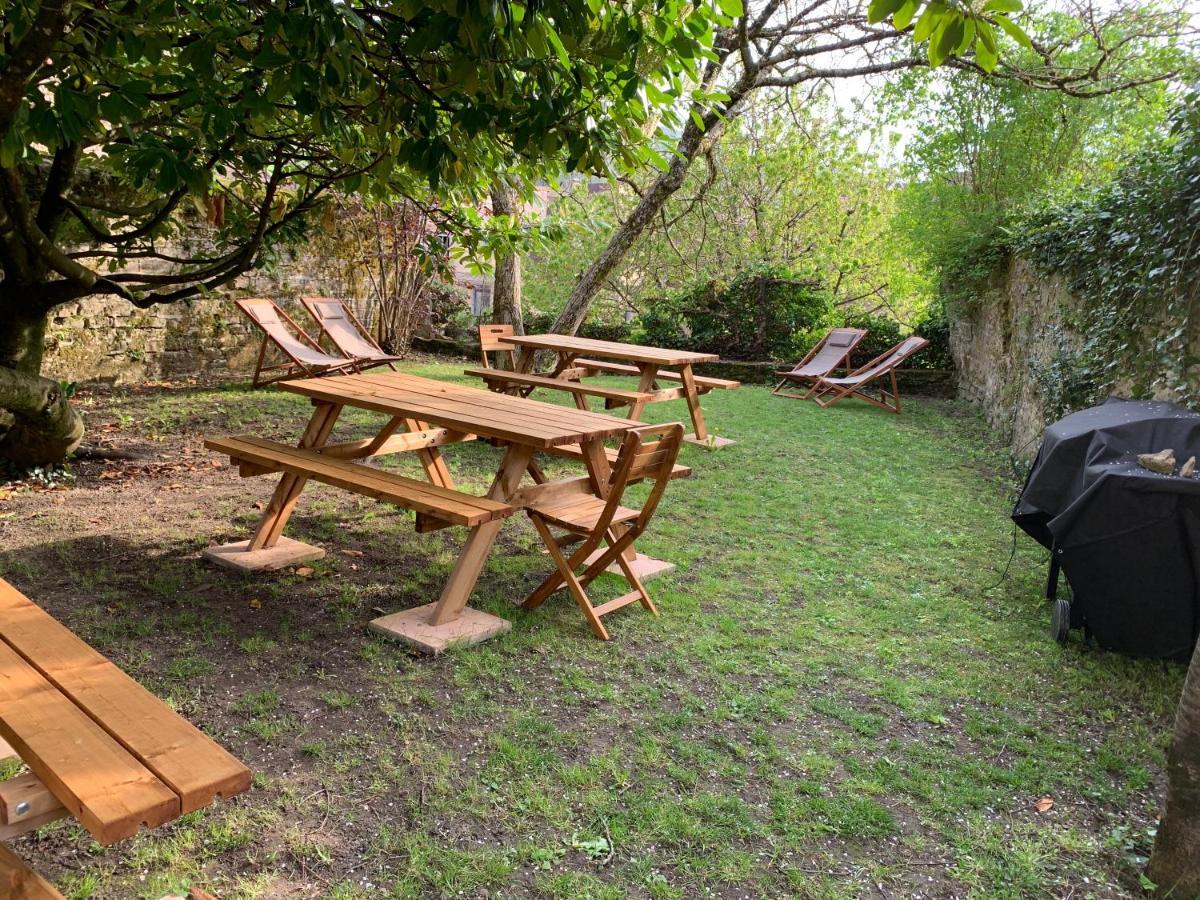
(568, 343)
(474, 410)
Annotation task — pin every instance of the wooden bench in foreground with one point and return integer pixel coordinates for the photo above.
(99, 746)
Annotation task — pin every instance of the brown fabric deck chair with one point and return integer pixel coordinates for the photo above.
(347, 334)
(645, 454)
(304, 355)
(829, 353)
(491, 340)
(830, 390)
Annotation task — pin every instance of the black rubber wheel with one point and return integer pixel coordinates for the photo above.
(1060, 620)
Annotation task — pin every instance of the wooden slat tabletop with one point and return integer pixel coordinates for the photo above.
(488, 414)
(567, 343)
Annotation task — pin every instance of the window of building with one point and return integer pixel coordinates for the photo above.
(481, 299)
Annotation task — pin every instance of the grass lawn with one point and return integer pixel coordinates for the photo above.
(843, 697)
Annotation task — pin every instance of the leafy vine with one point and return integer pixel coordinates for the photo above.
(1130, 251)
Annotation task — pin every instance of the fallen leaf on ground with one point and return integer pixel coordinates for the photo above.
(255, 603)
(305, 571)
(354, 553)
(1044, 804)
(258, 504)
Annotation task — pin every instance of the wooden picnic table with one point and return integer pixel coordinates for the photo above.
(580, 357)
(422, 415)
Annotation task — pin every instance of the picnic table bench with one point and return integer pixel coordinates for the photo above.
(575, 361)
(99, 746)
(422, 415)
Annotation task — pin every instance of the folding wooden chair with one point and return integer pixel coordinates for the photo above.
(491, 340)
(646, 454)
(828, 354)
(341, 326)
(304, 355)
(830, 390)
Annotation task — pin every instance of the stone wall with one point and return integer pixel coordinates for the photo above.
(105, 339)
(1010, 329)
(1016, 328)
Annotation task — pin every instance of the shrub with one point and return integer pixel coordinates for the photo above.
(882, 334)
(762, 313)
(934, 326)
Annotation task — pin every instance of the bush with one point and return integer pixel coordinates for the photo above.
(763, 313)
(450, 309)
(882, 334)
(934, 326)
(543, 323)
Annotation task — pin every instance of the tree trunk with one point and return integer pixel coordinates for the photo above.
(506, 285)
(1175, 860)
(625, 236)
(695, 140)
(38, 425)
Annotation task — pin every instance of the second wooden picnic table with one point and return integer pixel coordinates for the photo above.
(422, 415)
(579, 357)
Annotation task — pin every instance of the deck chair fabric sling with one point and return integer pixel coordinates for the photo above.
(303, 354)
(828, 354)
(646, 454)
(346, 333)
(830, 390)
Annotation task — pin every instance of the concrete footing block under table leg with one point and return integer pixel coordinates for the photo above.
(711, 441)
(412, 627)
(643, 566)
(286, 552)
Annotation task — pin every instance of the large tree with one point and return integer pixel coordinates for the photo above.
(794, 45)
(156, 149)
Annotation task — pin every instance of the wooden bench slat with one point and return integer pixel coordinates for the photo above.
(613, 368)
(185, 759)
(573, 451)
(422, 496)
(560, 384)
(108, 790)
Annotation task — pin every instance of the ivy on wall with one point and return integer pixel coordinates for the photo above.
(1130, 251)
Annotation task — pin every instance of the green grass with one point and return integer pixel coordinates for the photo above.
(843, 694)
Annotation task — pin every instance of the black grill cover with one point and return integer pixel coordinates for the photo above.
(1127, 539)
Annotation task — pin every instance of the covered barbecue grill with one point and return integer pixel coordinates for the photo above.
(1127, 539)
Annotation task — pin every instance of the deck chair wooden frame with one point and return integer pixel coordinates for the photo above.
(830, 390)
(646, 454)
(291, 341)
(827, 355)
(491, 340)
(358, 345)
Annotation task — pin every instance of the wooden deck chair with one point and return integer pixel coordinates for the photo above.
(491, 340)
(646, 454)
(304, 355)
(830, 390)
(346, 333)
(828, 354)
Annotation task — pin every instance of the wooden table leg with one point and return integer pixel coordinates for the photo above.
(267, 548)
(435, 627)
(645, 385)
(283, 501)
(699, 426)
(699, 433)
